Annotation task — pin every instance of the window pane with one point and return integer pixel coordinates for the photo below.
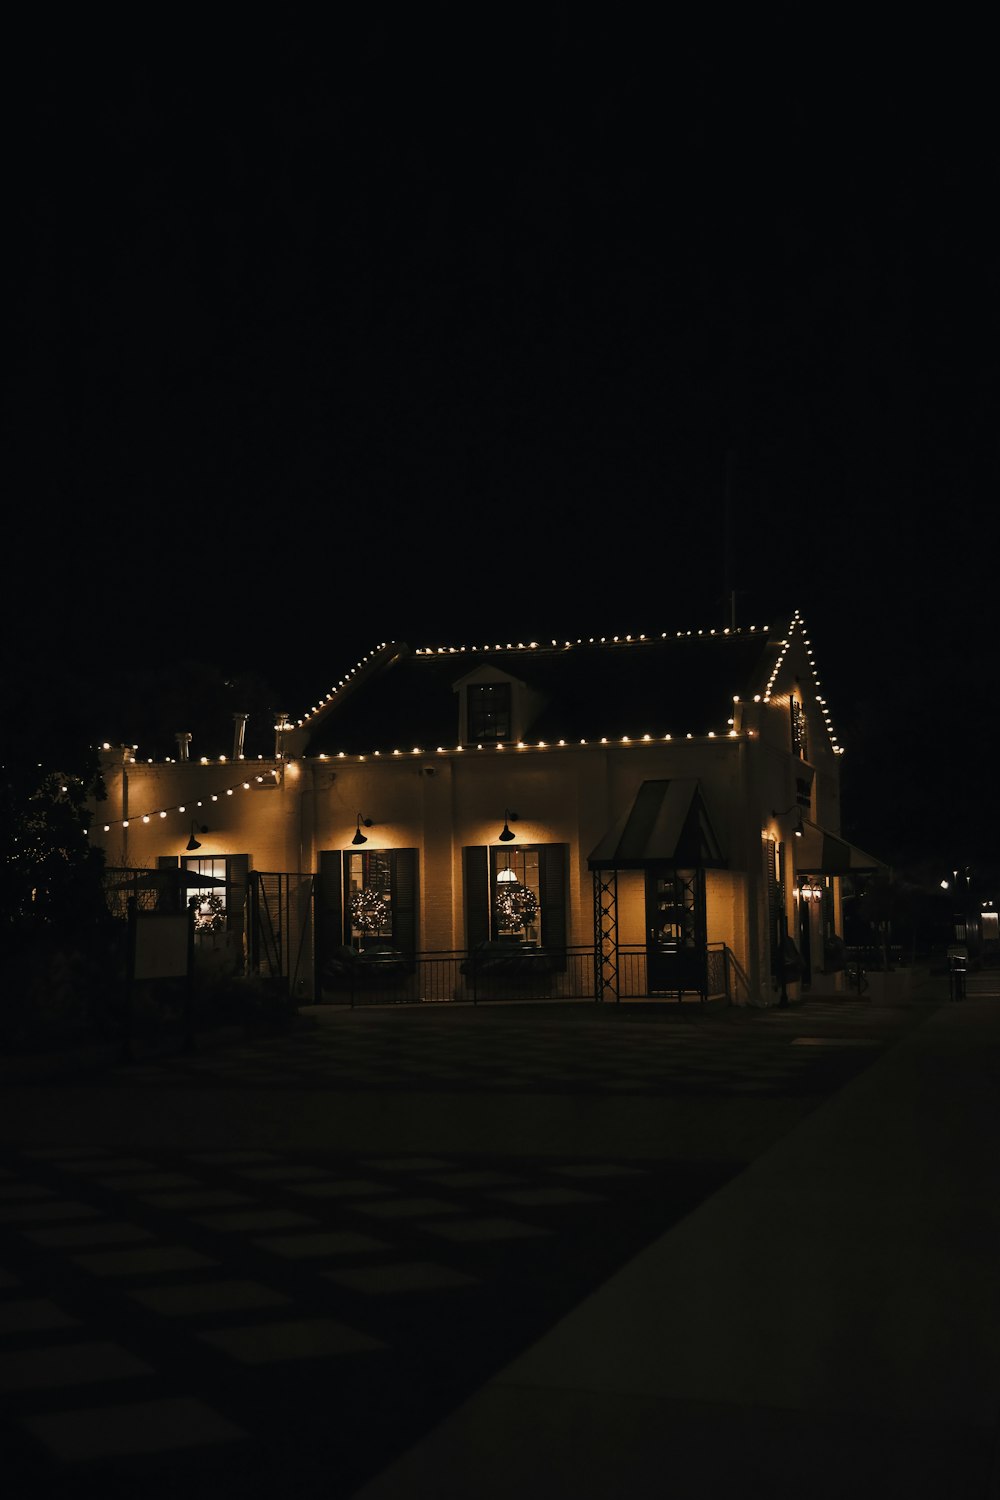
(210, 913)
(489, 711)
(515, 914)
(369, 895)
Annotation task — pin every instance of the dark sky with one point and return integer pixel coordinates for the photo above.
(423, 329)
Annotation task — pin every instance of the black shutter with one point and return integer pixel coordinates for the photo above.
(552, 863)
(477, 894)
(775, 901)
(404, 900)
(238, 873)
(330, 931)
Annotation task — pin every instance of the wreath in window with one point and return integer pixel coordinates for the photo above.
(369, 910)
(210, 914)
(517, 905)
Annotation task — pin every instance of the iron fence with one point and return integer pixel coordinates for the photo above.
(385, 977)
(274, 937)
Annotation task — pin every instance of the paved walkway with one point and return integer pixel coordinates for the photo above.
(827, 1324)
(513, 1252)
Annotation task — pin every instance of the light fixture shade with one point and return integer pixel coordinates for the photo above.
(192, 842)
(798, 826)
(508, 817)
(359, 837)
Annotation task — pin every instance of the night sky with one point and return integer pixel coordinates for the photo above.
(450, 331)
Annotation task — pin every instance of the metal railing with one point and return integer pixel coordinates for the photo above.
(276, 941)
(438, 977)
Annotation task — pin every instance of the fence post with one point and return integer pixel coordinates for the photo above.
(126, 1054)
(188, 1045)
(253, 917)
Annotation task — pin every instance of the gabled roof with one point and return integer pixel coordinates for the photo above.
(678, 684)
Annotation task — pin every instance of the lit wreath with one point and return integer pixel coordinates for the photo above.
(368, 910)
(208, 916)
(517, 905)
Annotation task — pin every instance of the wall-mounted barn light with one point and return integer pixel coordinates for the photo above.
(505, 834)
(192, 842)
(359, 837)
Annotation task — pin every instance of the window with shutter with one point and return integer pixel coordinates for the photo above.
(380, 897)
(517, 894)
(220, 907)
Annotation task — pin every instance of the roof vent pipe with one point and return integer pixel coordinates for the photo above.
(239, 730)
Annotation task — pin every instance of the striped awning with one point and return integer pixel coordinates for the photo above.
(667, 824)
(820, 852)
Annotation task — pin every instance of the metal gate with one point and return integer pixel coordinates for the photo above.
(282, 930)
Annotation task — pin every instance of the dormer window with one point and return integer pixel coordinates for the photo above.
(495, 708)
(488, 707)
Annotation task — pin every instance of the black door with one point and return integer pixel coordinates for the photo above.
(677, 946)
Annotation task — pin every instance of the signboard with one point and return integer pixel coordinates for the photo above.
(161, 945)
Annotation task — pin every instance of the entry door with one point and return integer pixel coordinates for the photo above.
(810, 897)
(805, 936)
(677, 947)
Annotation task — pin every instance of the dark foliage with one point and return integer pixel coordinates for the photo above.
(51, 876)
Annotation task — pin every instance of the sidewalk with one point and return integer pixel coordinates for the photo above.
(827, 1324)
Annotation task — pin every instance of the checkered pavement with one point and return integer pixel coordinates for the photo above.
(288, 1320)
(549, 1056)
(161, 1307)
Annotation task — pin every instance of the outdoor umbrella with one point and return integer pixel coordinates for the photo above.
(172, 879)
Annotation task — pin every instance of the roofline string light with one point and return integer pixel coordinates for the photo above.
(567, 645)
(797, 625)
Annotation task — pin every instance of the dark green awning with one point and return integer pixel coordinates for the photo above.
(820, 852)
(667, 824)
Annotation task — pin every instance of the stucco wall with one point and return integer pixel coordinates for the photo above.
(439, 803)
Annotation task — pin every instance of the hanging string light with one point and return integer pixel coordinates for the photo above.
(796, 629)
(182, 807)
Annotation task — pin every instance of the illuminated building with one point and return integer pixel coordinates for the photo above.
(636, 815)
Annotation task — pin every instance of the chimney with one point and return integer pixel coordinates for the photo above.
(239, 730)
(280, 730)
(183, 741)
